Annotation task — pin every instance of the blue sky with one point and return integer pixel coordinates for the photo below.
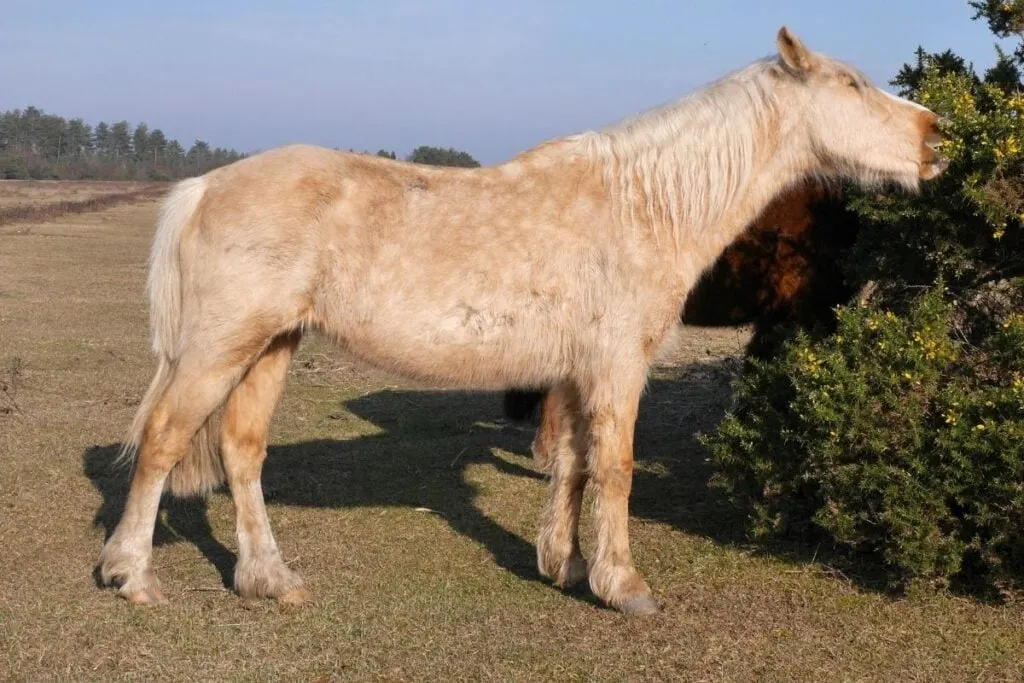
(492, 78)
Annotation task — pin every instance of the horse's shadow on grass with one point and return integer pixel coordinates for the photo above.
(430, 438)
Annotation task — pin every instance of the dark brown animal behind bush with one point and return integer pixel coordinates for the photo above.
(783, 271)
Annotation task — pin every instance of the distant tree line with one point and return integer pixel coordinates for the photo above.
(41, 146)
(34, 144)
(435, 156)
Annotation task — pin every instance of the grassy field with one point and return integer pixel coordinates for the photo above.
(14, 192)
(33, 202)
(410, 512)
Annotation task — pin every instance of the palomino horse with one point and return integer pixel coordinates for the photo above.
(783, 268)
(564, 267)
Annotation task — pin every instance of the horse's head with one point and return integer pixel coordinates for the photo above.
(853, 128)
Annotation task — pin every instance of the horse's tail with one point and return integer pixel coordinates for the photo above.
(201, 470)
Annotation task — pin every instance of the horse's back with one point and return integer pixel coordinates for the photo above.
(475, 277)
(420, 270)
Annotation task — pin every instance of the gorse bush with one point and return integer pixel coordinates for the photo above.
(891, 436)
(902, 433)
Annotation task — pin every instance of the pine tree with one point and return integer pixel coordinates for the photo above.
(79, 138)
(157, 145)
(102, 141)
(199, 157)
(121, 141)
(140, 142)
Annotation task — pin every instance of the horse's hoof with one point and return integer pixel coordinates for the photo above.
(573, 572)
(562, 573)
(641, 604)
(148, 596)
(270, 579)
(137, 587)
(296, 596)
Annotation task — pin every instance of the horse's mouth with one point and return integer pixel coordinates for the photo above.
(930, 164)
(933, 169)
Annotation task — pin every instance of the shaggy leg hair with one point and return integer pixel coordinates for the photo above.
(260, 571)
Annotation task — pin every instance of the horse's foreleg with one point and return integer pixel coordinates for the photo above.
(260, 571)
(563, 435)
(613, 578)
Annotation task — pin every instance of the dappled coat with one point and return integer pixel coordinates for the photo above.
(783, 269)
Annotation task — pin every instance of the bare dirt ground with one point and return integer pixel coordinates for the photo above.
(410, 512)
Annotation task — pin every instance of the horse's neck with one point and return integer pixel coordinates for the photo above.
(766, 184)
(778, 167)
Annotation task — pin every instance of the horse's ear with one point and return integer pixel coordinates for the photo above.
(794, 53)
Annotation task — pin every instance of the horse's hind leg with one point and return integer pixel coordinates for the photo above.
(546, 441)
(562, 435)
(200, 381)
(260, 571)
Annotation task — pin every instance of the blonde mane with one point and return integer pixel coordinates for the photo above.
(681, 166)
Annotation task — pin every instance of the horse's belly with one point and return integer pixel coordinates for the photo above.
(461, 345)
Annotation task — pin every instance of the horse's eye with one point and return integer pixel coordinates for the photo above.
(852, 82)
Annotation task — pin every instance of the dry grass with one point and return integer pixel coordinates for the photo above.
(14, 192)
(412, 515)
(38, 201)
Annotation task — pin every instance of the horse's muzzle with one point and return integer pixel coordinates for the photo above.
(931, 163)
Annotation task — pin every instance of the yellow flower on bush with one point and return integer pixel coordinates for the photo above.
(1007, 147)
(1013, 319)
(988, 139)
(964, 104)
